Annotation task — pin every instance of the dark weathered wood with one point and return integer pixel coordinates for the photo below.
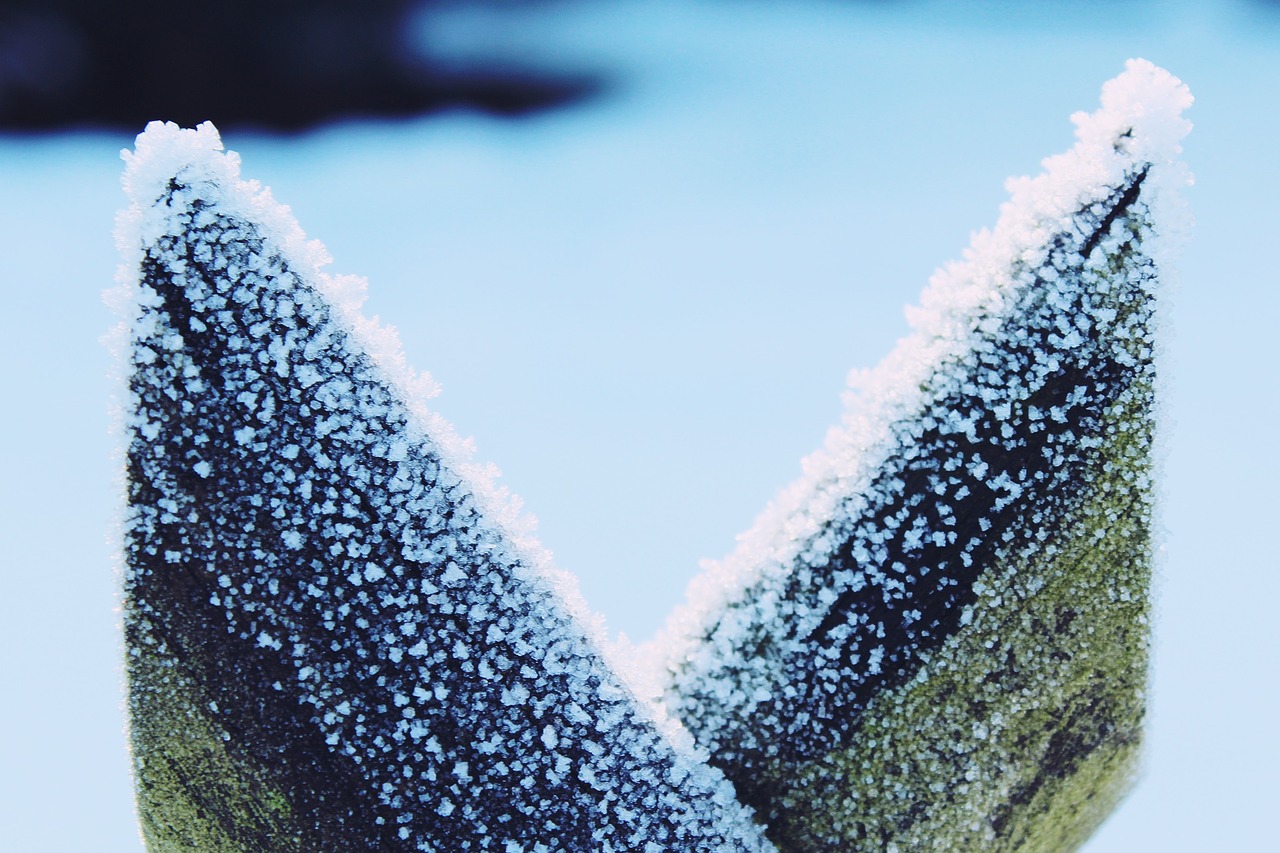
(333, 643)
(939, 640)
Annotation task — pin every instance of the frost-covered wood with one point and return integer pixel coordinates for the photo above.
(335, 639)
(339, 638)
(938, 638)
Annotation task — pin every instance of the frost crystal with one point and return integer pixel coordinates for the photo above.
(335, 641)
(937, 638)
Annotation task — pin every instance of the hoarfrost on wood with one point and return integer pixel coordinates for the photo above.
(341, 636)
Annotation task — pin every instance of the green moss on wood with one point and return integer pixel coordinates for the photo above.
(195, 789)
(1022, 732)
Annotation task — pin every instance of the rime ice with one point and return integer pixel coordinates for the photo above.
(335, 640)
(937, 638)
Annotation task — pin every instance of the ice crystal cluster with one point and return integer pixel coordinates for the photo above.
(339, 638)
(334, 643)
(937, 638)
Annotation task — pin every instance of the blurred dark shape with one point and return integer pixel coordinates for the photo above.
(282, 65)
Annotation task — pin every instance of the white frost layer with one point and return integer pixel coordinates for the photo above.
(212, 193)
(1143, 108)
(165, 150)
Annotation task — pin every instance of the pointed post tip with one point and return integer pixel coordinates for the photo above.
(164, 150)
(952, 653)
(374, 631)
(1141, 115)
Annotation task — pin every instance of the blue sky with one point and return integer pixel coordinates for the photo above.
(644, 310)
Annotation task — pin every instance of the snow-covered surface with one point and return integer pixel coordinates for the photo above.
(644, 311)
(308, 553)
(965, 300)
(994, 471)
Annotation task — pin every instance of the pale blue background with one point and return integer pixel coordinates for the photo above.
(644, 310)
